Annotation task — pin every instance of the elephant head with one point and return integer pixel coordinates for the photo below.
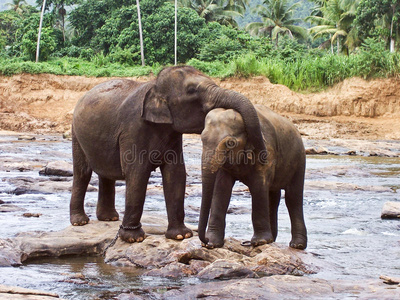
(224, 142)
(182, 96)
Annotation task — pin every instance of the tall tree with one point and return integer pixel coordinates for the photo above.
(337, 22)
(140, 32)
(220, 11)
(17, 5)
(40, 31)
(379, 16)
(58, 11)
(277, 19)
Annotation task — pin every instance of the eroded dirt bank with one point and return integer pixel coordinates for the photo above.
(355, 108)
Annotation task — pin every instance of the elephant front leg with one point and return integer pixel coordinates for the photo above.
(260, 214)
(136, 186)
(221, 197)
(174, 183)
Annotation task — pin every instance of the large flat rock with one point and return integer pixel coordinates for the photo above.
(15, 293)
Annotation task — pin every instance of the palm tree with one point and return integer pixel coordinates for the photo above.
(277, 19)
(17, 5)
(220, 11)
(336, 22)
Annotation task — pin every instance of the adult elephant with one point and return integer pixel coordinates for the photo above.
(228, 156)
(123, 130)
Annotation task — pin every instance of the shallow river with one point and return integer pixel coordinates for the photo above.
(343, 199)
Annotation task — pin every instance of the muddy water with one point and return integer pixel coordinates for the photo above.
(344, 196)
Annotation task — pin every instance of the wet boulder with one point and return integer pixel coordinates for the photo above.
(226, 269)
(10, 255)
(317, 151)
(169, 258)
(391, 210)
(57, 168)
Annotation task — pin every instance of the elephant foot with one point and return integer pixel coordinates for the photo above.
(299, 242)
(178, 233)
(111, 215)
(79, 219)
(213, 241)
(262, 238)
(132, 236)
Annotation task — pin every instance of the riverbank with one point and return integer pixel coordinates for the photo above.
(353, 109)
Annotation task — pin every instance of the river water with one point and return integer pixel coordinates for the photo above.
(343, 199)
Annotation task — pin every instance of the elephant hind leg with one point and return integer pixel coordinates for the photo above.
(294, 203)
(274, 199)
(106, 202)
(82, 175)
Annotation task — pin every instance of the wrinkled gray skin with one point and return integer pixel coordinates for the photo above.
(124, 130)
(228, 156)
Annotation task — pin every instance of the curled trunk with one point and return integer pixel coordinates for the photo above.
(232, 100)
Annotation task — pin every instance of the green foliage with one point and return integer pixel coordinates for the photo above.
(334, 20)
(215, 69)
(47, 43)
(378, 18)
(118, 30)
(106, 42)
(71, 66)
(221, 11)
(277, 20)
(375, 59)
(226, 43)
(8, 26)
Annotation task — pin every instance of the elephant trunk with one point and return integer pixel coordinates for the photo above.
(208, 183)
(211, 161)
(233, 100)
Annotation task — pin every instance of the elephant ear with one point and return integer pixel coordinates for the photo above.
(155, 108)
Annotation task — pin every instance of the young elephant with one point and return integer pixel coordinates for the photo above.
(228, 156)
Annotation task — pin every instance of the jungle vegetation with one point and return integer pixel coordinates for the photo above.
(303, 44)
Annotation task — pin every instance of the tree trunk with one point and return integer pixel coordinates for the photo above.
(338, 45)
(140, 32)
(176, 32)
(40, 31)
(63, 21)
(392, 40)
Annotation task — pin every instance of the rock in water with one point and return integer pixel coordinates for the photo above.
(391, 210)
(57, 168)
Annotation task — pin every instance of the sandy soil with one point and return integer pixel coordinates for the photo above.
(353, 109)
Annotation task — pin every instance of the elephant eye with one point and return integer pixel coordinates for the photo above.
(191, 90)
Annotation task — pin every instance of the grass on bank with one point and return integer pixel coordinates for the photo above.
(308, 73)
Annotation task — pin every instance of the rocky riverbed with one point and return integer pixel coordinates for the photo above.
(347, 184)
